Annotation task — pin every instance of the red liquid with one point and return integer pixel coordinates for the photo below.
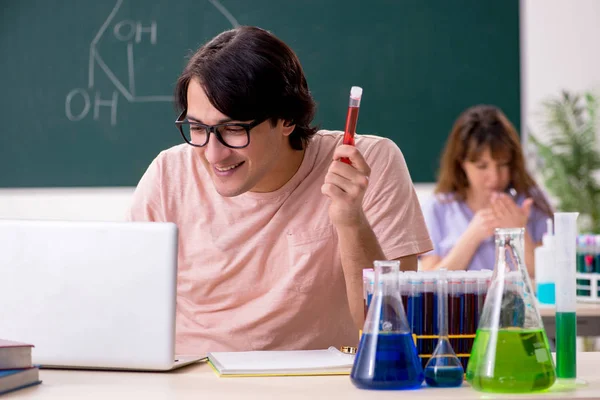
(405, 303)
(470, 305)
(351, 120)
(589, 263)
(429, 317)
(480, 303)
(480, 300)
(454, 318)
(469, 323)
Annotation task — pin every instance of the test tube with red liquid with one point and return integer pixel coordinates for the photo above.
(455, 295)
(482, 287)
(352, 118)
(469, 314)
(429, 312)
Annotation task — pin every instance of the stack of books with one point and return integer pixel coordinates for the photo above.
(16, 369)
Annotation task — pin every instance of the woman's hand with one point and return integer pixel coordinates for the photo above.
(483, 224)
(508, 214)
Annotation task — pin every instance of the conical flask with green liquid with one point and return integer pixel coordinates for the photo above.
(510, 353)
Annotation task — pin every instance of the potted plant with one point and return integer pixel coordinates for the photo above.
(568, 158)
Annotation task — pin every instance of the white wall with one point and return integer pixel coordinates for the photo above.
(89, 204)
(559, 49)
(85, 204)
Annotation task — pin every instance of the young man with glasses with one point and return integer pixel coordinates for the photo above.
(274, 229)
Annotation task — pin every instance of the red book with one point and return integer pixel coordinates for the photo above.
(14, 355)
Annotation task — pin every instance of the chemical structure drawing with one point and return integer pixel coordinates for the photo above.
(79, 101)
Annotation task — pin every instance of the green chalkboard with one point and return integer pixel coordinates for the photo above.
(86, 85)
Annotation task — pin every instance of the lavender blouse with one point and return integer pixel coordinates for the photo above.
(447, 220)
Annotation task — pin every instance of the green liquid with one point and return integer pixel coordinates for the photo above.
(521, 362)
(566, 345)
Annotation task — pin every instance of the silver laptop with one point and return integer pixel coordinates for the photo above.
(97, 295)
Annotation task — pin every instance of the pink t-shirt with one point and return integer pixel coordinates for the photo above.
(262, 270)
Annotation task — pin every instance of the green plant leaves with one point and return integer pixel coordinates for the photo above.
(570, 155)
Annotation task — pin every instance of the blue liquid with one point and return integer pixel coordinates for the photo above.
(387, 361)
(442, 376)
(546, 293)
(415, 317)
(415, 313)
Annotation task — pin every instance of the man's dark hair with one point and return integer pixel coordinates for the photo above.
(249, 74)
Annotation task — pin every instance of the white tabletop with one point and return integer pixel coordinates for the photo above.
(199, 382)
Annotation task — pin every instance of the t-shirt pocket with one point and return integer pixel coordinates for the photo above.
(311, 258)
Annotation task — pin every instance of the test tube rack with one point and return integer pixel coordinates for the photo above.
(588, 287)
(588, 268)
(466, 295)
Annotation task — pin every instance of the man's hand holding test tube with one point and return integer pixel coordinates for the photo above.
(348, 175)
(345, 184)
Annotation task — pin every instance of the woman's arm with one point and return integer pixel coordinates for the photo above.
(458, 258)
(481, 227)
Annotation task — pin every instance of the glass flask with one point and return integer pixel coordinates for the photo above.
(387, 357)
(511, 352)
(443, 369)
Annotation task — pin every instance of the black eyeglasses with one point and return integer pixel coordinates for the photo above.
(233, 135)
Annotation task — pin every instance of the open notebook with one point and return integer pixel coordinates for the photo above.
(330, 361)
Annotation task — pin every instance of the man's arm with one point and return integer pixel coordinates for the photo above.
(359, 246)
(358, 249)
(408, 263)
(146, 200)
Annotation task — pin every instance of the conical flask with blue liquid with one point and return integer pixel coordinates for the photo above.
(510, 353)
(387, 357)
